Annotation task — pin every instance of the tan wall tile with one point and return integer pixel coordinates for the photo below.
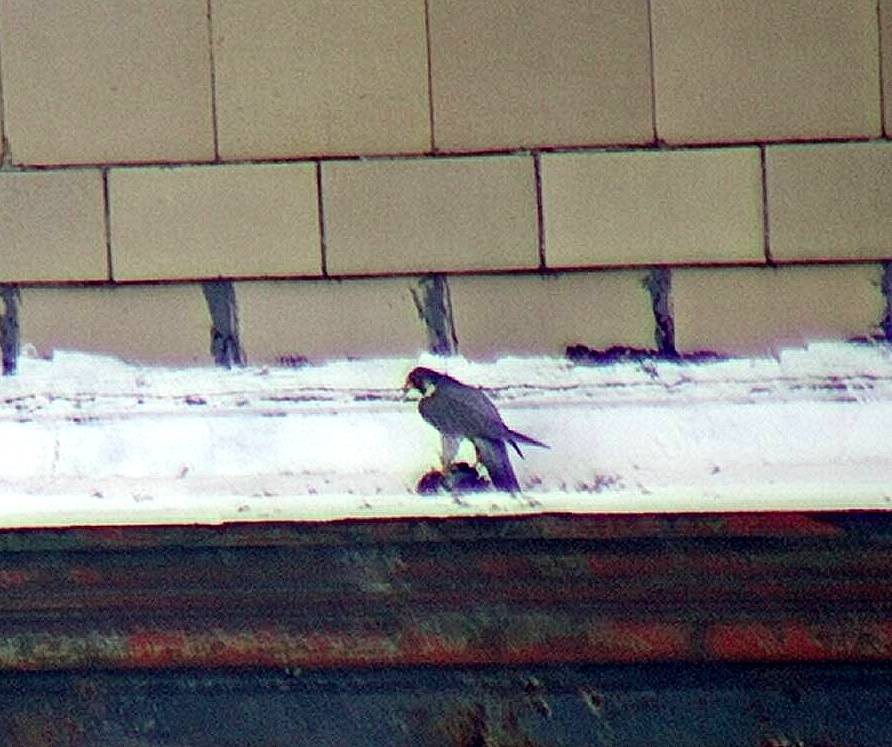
(3, 153)
(885, 11)
(765, 69)
(328, 319)
(157, 323)
(88, 82)
(760, 310)
(214, 221)
(498, 315)
(424, 215)
(52, 226)
(299, 77)
(830, 201)
(525, 73)
(652, 207)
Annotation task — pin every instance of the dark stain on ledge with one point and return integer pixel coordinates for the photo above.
(886, 323)
(225, 345)
(9, 328)
(585, 355)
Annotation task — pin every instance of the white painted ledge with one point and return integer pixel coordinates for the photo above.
(91, 440)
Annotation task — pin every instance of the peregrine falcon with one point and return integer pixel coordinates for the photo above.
(461, 411)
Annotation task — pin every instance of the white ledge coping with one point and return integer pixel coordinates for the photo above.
(89, 440)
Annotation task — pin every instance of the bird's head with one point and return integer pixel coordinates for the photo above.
(423, 379)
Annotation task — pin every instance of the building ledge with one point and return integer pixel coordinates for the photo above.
(95, 441)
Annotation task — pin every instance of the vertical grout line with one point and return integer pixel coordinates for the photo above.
(5, 158)
(540, 212)
(107, 208)
(653, 72)
(880, 62)
(886, 288)
(766, 230)
(213, 66)
(320, 210)
(430, 75)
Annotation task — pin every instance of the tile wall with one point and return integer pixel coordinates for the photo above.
(326, 156)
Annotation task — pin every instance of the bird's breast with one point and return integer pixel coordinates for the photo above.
(436, 411)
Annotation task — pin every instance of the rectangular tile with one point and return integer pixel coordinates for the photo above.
(746, 311)
(426, 215)
(499, 315)
(320, 77)
(214, 221)
(528, 73)
(765, 70)
(151, 323)
(288, 322)
(88, 82)
(52, 226)
(652, 207)
(3, 153)
(885, 14)
(830, 201)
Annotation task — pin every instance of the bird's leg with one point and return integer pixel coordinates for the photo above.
(449, 450)
(493, 455)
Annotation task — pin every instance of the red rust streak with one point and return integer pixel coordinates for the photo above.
(628, 641)
(744, 524)
(13, 579)
(86, 576)
(793, 640)
(778, 525)
(157, 648)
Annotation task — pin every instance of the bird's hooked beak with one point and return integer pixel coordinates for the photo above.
(418, 381)
(408, 387)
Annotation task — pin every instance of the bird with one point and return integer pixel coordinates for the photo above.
(460, 411)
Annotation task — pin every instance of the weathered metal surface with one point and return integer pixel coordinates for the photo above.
(603, 589)
(569, 706)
